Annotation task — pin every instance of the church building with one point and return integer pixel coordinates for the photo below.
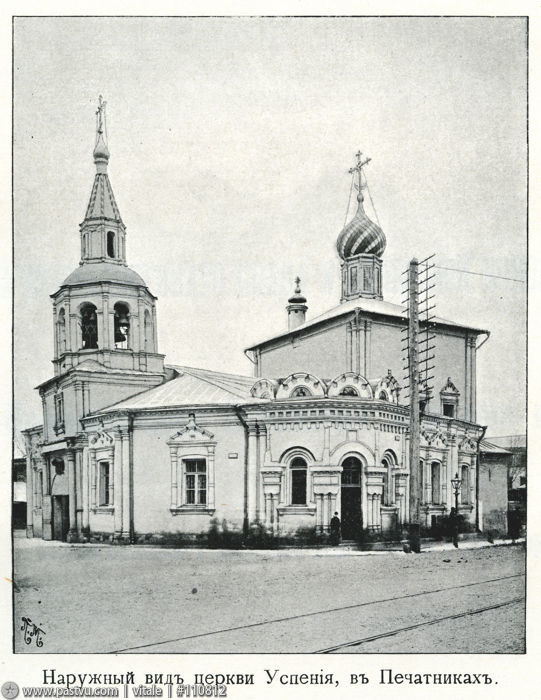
(131, 446)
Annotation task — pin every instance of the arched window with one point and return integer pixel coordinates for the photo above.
(298, 470)
(351, 472)
(386, 484)
(111, 244)
(383, 396)
(89, 327)
(465, 484)
(436, 482)
(148, 332)
(299, 392)
(122, 325)
(349, 391)
(61, 328)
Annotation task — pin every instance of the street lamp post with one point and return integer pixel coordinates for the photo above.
(456, 484)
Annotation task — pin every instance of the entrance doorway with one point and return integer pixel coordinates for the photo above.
(352, 517)
(60, 517)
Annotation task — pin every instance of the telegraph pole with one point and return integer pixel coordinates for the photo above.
(413, 365)
(418, 353)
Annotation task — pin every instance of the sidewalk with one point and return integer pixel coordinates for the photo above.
(23, 542)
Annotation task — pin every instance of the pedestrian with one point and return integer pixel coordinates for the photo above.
(335, 529)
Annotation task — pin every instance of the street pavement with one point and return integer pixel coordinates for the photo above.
(132, 599)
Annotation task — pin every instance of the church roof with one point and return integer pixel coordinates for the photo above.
(102, 203)
(191, 387)
(370, 306)
(103, 272)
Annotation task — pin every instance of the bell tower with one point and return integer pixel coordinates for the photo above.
(104, 310)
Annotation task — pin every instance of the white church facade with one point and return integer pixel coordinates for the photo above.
(131, 446)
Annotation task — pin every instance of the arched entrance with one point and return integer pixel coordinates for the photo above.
(351, 516)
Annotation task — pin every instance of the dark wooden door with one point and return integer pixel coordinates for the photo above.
(352, 523)
(351, 512)
(60, 517)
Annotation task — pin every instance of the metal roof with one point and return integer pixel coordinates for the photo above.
(489, 448)
(371, 306)
(102, 203)
(103, 272)
(192, 387)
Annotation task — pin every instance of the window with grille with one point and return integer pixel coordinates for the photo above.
(195, 480)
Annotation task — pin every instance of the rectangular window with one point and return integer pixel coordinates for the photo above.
(465, 485)
(367, 279)
(59, 409)
(435, 474)
(104, 484)
(449, 410)
(195, 481)
(353, 280)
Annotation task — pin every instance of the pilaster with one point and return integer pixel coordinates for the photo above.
(70, 458)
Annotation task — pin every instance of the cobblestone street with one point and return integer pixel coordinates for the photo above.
(135, 599)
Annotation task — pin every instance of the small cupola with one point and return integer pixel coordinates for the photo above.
(360, 245)
(296, 307)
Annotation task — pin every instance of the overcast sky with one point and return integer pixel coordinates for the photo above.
(230, 142)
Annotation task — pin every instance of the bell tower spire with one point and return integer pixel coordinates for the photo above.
(101, 152)
(104, 311)
(103, 234)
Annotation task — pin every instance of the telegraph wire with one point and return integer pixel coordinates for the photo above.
(480, 274)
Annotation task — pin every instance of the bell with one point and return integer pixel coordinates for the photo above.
(122, 319)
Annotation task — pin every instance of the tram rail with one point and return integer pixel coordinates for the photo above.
(344, 608)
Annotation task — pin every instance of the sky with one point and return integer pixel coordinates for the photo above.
(231, 140)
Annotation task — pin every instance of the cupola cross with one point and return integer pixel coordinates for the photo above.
(100, 116)
(358, 169)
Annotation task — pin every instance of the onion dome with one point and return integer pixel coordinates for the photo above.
(101, 152)
(361, 236)
(297, 297)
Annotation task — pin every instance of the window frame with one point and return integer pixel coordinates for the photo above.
(192, 442)
(105, 491)
(86, 309)
(111, 244)
(465, 484)
(199, 475)
(59, 412)
(435, 468)
(295, 470)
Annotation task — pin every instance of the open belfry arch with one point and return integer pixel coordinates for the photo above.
(131, 448)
